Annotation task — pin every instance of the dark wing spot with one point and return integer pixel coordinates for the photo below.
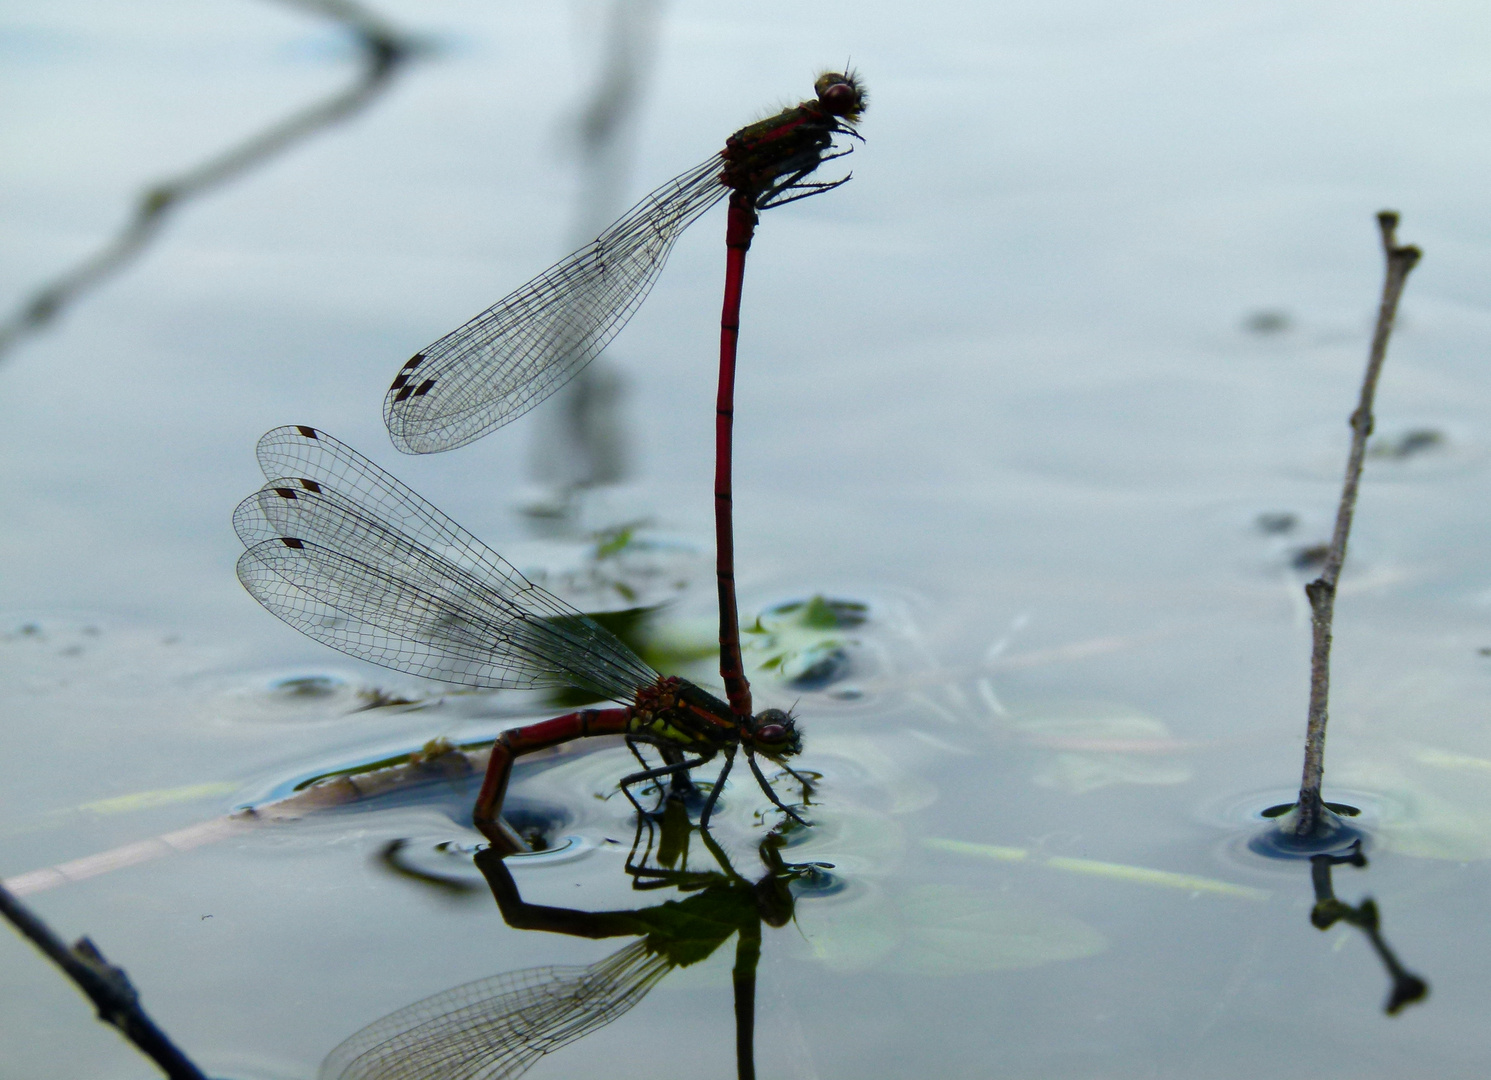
(291, 542)
(285, 493)
(308, 432)
(424, 388)
(409, 365)
(311, 486)
(402, 395)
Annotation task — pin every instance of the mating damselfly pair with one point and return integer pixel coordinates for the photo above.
(351, 557)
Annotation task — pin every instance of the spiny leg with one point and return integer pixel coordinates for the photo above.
(643, 822)
(766, 787)
(807, 785)
(804, 191)
(796, 181)
(683, 783)
(653, 774)
(719, 786)
(634, 745)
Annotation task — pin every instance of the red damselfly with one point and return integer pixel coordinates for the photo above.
(497, 1028)
(351, 557)
(519, 351)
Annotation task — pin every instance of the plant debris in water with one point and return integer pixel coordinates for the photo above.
(803, 641)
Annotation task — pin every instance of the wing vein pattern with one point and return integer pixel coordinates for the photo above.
(351, 557)
(530, 343)
(496, 1028)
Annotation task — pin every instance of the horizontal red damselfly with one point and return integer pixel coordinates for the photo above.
(351, 557)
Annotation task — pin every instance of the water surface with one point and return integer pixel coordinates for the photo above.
(1043, 387)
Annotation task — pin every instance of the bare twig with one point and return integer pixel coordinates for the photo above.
(106, 985)
(1311, 814)
(383, 51)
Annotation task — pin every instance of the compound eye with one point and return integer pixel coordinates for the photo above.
(839, 98)
(771, 733)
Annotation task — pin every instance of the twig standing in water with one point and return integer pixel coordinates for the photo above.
(1311, 815)
(383, 51)
(107, 986)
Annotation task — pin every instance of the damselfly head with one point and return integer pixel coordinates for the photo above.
(841, 94)
(776, 734)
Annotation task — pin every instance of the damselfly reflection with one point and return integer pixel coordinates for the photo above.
(349, 556)
(497, 1028)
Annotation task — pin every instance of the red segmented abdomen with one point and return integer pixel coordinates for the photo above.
(575, 725)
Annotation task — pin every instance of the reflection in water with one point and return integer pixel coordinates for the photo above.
(1342, 843)
(581, 441)
(383, 53)
(392, 857)
(501, 1026)
(1407, 987)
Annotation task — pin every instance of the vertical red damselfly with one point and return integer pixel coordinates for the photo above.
(515, 354)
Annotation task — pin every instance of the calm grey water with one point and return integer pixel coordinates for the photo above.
(1097, 298)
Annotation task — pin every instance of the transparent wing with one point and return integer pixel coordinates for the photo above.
(352, 558)
(533, 341)
(496, 1028)
(304, 453)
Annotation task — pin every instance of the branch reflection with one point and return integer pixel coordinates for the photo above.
(383, 52)
(1407, 987)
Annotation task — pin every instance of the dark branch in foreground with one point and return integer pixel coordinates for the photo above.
(383, 51)
(1312, 817)
(108, 987)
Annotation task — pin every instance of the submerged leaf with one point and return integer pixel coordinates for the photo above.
(1097, 746)
(1434, 803)
(802, 641)
(1081, 773)
(945, 930)
(1138, 875)
(954, 931)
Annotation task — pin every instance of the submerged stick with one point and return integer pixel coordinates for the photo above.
(1311, 813)
(383, 52)
(107, 986)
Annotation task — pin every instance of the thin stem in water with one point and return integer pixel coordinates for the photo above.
(1321, 592)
